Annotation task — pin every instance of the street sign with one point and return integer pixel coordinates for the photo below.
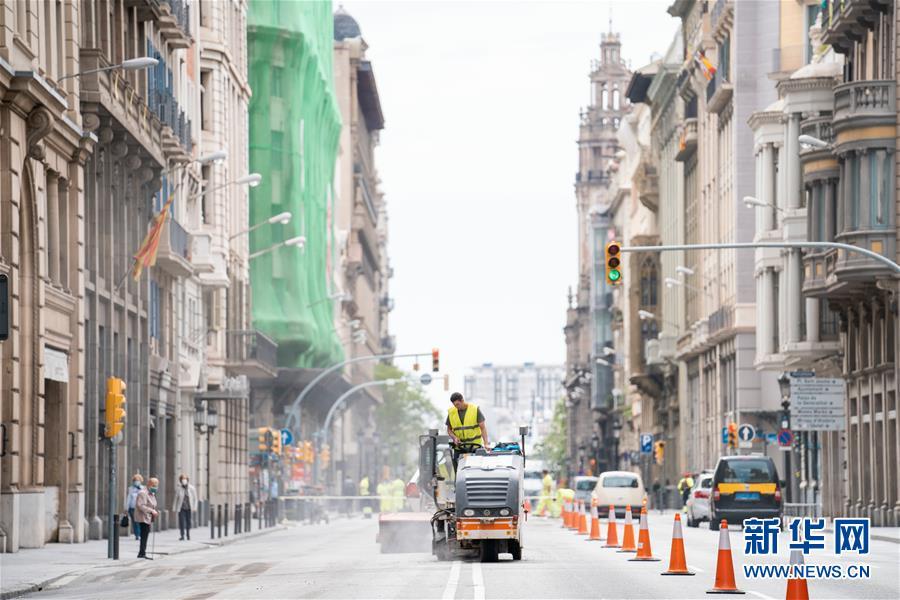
(724, 435)
(286, 437)
(646, 443)
(802, 373)
(771, 438)
(817, 403)
(746, 433)
(785, 439)
(425, 378)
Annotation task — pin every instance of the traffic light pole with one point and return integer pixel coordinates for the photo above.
(111, 508)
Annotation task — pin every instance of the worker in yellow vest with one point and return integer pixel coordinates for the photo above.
(465, 425)
(364, 491)
(384, 496)
(543, 507)
(398, 494)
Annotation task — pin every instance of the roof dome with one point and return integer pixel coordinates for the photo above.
(345, 26)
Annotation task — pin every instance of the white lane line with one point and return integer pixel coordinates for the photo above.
(453, 581)
(698, 569)
(478, 581)
(758, 595)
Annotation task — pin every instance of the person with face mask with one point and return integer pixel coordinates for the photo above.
(137, 484)
(185, 504)
(145, 512)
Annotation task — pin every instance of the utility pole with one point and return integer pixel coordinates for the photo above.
(111, 504)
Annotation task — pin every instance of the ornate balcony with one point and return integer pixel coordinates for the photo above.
(251, 353)
(865, 104)
(687, 143)
(174, 255)
(849, 21)
(718, 93)
(172, 19)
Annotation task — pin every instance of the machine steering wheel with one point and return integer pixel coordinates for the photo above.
(466, 447)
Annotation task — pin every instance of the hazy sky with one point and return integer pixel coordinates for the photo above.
(478, 159)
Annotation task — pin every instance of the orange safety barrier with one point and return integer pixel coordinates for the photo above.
(724, 566)
(677, 559)
(612, 537)
(644, 552)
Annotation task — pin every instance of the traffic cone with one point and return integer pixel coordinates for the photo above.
(796, 587)
(724, 566)
(582, 521)
(612, 537)
(595, 525)
(573, 523)
(565, 515)
(677, 559)
(628, 544)
(644, 552)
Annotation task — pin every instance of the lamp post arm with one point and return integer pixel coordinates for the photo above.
(325, 432)
(741, 245)
(294, 412)
(267, 250)
(88, 72)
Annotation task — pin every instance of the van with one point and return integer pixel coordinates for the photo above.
(744, 487)
(619, 489)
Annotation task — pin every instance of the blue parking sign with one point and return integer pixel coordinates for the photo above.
(646, 443)
(724, 435)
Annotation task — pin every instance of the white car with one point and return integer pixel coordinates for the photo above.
(619, 489)
(698, 500)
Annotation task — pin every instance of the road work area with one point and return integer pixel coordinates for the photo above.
(342, 560)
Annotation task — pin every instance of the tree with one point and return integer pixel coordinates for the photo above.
(405, 414)
(552, 450)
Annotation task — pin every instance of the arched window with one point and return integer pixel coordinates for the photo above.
(604, 98)
(615, 100)
(649, 283)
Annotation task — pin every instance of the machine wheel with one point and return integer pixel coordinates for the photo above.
(691, 521)
(713, 523)
(488, 551)
(515, 548)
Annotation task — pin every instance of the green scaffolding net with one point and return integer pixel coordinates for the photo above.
(294, 129)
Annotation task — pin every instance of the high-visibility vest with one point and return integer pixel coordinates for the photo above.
(468, 432)
(547, 485)
(364, 486)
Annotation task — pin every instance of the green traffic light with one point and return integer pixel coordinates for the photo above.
(614, 275)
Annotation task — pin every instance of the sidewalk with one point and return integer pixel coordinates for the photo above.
(32, 570)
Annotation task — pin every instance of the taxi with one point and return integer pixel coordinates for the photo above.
(744, 487)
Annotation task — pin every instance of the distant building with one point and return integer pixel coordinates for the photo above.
(514, 395)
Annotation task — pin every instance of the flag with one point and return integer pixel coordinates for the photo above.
(708, 69)
(146, 254)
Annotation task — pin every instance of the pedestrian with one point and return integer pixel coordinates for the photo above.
(398, 493)
(348, 489)
(185, 504)
(145, 512)
(384, 501)
(137, 484)
(684, 488)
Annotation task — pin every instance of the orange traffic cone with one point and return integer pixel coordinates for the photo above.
(565, 515)
(677, 559)
(644, 553)
(724, 566)
(582, 521)
(612, 537)
(628, 544)
(796, 587)
(576, 508)
(595, 525)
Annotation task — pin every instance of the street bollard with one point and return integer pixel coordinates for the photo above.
(116, 537)
(219, 519)
(247, 517)
(212, 524)
(259, 513)
(226, 520)
(237, 519)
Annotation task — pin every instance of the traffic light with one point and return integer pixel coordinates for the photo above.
(276, 441)
(613, 263)
(308, 453)
(660, 452)
(416, 366)
(262, 440)
(115, 407)
(435, 360)
(325, 454)
(732, 435)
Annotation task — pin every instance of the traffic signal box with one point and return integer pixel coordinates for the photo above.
(115, 407)
(613, 263)
(262, 440)
(732, 435)
(660, 452)
(435, 360)
(276, 441)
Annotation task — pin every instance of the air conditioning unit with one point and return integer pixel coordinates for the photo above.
(651, 352)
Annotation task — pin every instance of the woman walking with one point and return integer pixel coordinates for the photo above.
(185, 504)
(137, 484)
(145, 512)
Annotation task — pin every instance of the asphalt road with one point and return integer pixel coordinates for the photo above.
(341, 560)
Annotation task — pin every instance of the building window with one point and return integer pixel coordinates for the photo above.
(277, 81)
(812, 12)
(649, 280)
(828, 322)
(206, 117)
(819, 212)
(853, 196)
(881, 213)
(776, 311)
(724, 58)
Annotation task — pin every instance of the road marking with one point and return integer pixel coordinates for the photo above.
(478, 581)
(758, 595)
(453, 581)
(698, 569)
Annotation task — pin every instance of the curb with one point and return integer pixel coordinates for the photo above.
(40, 586)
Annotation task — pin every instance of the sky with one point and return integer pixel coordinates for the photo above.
(477, 162)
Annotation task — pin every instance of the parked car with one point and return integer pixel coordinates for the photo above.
(584, 487)
(744, 487)
(619, 489)
(698, 500)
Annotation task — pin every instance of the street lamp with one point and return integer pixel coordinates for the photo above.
(784, 385)
(283, 218)
(253, 180)
(750, 202)
(646, 315)
(132, 64)
(206, 421)
(685, 271)
(299, 242)
(813, 142)
(603, 362)
(607, 351)
(616, 431)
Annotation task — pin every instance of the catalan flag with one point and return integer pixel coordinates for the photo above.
(146, 254)
(708, 69)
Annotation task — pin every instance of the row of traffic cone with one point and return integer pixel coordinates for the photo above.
(725, 582)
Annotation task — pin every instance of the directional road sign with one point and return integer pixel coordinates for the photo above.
(425, 378)
(286, 437)
(746, 433)
(817, 404)
(646, 443)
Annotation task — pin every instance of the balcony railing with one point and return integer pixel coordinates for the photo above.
(687, 142)
(251, 353)
(865, 99)
(174, 255)
(718, 93)
(590, 176)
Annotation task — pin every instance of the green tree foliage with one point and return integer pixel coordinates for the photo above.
(405, 414)
(552, 450)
